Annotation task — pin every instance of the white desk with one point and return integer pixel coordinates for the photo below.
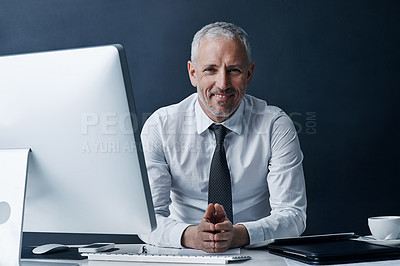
(259, 258)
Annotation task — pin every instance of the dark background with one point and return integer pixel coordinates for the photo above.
(333, 66)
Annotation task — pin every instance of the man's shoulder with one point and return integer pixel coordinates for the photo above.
(258, 106)
(170, 117)
(260, 116)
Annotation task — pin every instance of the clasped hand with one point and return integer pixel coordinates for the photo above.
(215, 232)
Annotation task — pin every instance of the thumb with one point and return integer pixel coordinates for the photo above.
(209, 214)
(220, 214)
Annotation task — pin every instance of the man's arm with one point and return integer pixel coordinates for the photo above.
(286, 186)
(168, 232)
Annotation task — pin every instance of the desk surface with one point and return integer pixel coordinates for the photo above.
(259, 257)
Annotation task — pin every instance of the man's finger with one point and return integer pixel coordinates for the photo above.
(206, 237)
(208, 246)
(209, 214)
(205, 226)
(221, 246)
(223, 236)
(220, 214)
(224, 226)
(209, 250)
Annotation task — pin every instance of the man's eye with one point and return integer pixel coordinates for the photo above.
(235, 71)
(209, 69)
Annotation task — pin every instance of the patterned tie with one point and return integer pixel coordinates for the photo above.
(219, 187)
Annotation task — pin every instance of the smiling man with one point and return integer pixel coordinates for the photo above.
(221, 74)
(225, 168)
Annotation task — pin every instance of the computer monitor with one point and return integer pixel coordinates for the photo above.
(75, 109)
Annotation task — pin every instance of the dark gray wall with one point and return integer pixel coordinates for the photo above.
(333, 66)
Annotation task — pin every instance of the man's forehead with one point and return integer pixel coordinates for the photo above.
(222, 46)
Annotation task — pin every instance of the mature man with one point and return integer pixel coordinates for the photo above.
(225, 168)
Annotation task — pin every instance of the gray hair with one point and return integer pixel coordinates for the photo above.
(218, 30)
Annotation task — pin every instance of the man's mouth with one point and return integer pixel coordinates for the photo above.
(222, 95)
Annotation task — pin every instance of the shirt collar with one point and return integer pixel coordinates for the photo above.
(233, 123)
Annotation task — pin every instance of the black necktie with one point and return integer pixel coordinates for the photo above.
(219, 186)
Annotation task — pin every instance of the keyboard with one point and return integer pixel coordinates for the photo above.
(214, 259)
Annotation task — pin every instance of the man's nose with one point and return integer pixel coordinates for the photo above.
(223, 80)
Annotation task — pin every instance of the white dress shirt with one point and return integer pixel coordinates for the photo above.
(264, 159)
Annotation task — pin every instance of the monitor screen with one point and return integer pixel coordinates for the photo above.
(75, 110)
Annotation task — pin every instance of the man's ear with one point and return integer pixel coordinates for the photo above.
(192, 74)
(250, 73)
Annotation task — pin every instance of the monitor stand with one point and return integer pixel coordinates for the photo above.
(13, 173)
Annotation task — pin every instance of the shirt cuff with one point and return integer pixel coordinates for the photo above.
(176, 234)
(255, 230)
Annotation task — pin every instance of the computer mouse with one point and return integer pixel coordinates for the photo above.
(49, 248)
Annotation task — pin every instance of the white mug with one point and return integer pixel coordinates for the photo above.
(385, 227)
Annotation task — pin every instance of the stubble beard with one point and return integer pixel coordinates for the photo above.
(209, 107)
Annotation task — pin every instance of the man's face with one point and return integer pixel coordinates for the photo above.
(221, 75)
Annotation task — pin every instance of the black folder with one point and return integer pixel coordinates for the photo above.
(325, 252)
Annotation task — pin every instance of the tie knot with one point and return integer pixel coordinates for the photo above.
(220, 133)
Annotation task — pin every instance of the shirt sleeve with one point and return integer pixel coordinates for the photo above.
(286, 186)
(169, 231)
